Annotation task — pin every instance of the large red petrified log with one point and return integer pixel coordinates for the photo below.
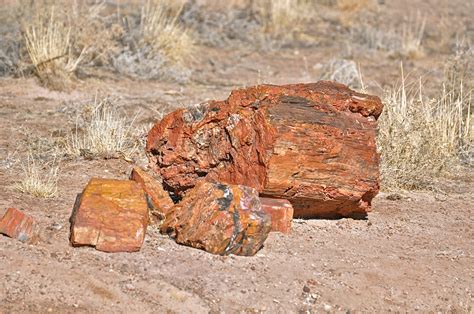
(313, 144)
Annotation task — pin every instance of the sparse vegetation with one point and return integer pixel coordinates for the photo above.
(421, 138)
(38, 178)
(343, 71)
(49, 46)
(405, 39)
(282, 18)
(101, 132)
(159, 47)
(159, 28)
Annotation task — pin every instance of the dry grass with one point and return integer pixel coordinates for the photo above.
(404, 39)
(48, 41)
(39, 179)
(102, 133)
(411, 36)
(343, 71)
(160, 28)
(422, 139)
(282, 18)
(155, 44)
(350, 10)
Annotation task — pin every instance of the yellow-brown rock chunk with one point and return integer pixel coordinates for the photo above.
(111, 215)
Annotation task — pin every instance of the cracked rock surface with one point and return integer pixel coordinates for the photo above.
(220, 219)
(313, 144)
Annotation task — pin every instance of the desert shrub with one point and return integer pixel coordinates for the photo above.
(9, 56)
(221, 28)
(101, 132)
(281, 18)
(343, 71)
(38, 178)
(404, 39)
(420, 138)
(10, 40)
(156, 45)
(259, 25)
(50, 48)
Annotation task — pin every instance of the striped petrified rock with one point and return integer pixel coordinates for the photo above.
(158, 199)
(18, 225)
(220, 219)
(281, 213)
(111, 215)
(313, 144)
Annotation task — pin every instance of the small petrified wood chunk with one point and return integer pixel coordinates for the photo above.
(220, 219)
(313, 144)
(158, 199)
(281, 212)
(18, 225)
(111, 215)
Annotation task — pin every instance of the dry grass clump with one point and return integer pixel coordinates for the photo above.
(343, 71)
(48, 42)
(281, 18)
(421, 139)
(39, 179)
(351, 11)
(265, 24)
(160, 28)
(405, 39)
(158, 46)
(102, 133)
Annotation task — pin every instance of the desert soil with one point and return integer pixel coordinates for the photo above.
(414, 252)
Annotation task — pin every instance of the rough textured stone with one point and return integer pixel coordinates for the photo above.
(158, 199)
(111, 215)
(313, 144)
(281, 212)
(220, 219)
(18, 225)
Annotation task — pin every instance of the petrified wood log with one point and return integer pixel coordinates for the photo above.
(313, 144)
(220, 219)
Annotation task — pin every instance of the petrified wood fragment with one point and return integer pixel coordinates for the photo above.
(281, 213)
(220, 219)
(313, 144)
(18, 225)
(158, 199)
(111, 215)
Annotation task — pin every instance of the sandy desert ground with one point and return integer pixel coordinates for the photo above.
(413, 253)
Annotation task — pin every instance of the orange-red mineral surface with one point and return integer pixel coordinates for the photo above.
(111, 215)
(220, 219)
(18, 225)
(280, 211)
(159, 200)
(313, 144)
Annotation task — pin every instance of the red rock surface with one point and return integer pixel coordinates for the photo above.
(18, 225)
(280, 211)
(159, 200)
(313, 144)
(220, 219)
(111, 215)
